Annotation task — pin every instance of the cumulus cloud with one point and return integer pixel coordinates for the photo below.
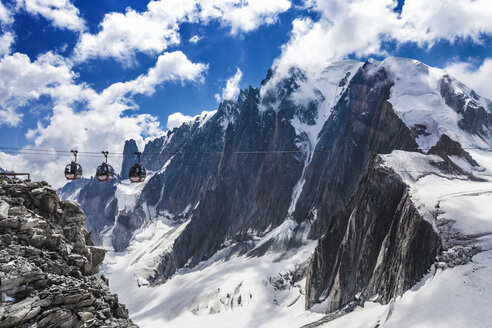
(169, 66)
(177, 119)
(5, 15)
(81, 118)
(231, 89)
(361, 27)
(7, 38)
(426, 22)
(62, 13)
(122, 35)
(6, 41)
(479, 79)
(194, 39)
(22, 81)
(243, 15)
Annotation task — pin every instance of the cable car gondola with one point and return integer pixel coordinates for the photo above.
(73, 171)
(105, 172)
(137, 172)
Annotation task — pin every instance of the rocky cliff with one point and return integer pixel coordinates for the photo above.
(363, 123)
(377, 247)
(48, 264)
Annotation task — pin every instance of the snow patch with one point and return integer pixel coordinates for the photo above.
(127, 194)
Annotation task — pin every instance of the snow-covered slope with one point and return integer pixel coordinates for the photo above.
(457, 292)
(71, 190)
(417, 97)
(224, 291)
(236, 198)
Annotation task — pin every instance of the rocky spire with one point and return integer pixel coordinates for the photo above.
(129, 157)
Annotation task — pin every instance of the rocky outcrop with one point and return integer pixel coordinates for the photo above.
(126, 224)
(476, 119)
(377, 246)
(129, 158)
(48, 264)
(447, 147)
(363, 123)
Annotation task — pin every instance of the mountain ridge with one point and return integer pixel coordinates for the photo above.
(269, 172)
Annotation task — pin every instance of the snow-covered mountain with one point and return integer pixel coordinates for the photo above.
(317, 193)
(71, 190)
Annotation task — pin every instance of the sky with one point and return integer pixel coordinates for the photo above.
(89, 74)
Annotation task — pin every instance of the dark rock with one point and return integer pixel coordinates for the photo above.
(377, 246)
(476, 119)
(363, 123)
(99, 205)
(123, 230)
(129, 157)
(446, 147)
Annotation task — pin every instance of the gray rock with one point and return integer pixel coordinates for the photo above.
(129, 157)
(378, 246)
(4, 210)
(48, 264)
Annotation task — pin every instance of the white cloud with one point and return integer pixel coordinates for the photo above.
(194, 39)
(169, 66)
(5, 15)
(6, 41)
(361, 26)
(62, 13)
(243, 15)
(22, 81)
(479, 79)
(82, 118)
(426, 21)
(122, 35)
(231, 89)
(177, 119)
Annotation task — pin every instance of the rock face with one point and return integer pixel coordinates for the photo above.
(476, 119)
(100, 205)
(48, 264)
(447, 147)
(129, 157)
(377, 246)
(362, 123)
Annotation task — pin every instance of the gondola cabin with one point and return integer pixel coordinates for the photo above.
(105, 172)
(137, 173)
(73, 171)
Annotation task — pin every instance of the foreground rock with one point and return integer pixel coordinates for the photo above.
(48, 264)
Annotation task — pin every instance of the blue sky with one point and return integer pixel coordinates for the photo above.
(86, 66)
